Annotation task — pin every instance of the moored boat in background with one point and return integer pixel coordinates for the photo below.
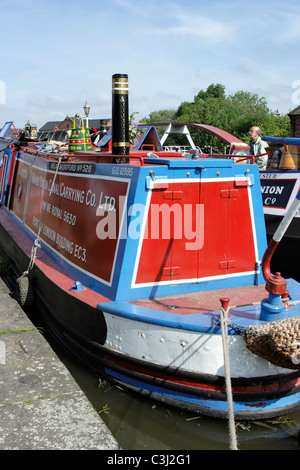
(280, 184)
(137, 255)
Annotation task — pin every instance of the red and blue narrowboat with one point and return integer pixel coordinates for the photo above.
(136, 259)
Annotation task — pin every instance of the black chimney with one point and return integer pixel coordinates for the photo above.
(120, 119)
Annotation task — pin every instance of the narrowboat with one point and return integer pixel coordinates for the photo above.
(280, 183)
(152, 267)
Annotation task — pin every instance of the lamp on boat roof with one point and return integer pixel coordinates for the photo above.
(30, 131)
(86, 109)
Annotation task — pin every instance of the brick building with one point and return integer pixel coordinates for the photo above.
(295, 122)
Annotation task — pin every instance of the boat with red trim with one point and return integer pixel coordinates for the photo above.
(280, 183)
(137, 260)
(280, 180)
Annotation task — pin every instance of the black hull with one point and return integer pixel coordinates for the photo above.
(80, 330)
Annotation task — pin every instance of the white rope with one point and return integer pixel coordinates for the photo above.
(232, 430)
(36, 243)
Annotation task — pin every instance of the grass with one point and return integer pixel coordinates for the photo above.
(17, 330)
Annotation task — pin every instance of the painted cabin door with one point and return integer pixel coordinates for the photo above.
(169, 250)
(228, 238)
(182, 203)
(197, 232)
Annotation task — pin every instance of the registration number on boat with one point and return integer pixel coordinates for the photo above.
(69, 218)
(122, 170)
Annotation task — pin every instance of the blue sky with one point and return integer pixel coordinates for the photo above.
(55, 55)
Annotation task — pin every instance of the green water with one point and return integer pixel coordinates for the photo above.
(140, 423)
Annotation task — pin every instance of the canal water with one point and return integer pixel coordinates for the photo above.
(139, 423)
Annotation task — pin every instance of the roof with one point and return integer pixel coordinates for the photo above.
(294, 111)
(50, 125)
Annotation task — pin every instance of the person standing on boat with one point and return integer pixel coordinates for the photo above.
(257, 147)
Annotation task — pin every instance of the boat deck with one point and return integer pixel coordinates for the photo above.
(206, 301)
(135, 158)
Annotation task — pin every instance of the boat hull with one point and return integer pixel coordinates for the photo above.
(139, 353)
(142, 308)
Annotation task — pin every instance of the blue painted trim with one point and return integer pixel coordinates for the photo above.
(196, 322)
(201, 322)
(3, 196)
(248, 408)
(5, 128)
(121, 283)
(149, 128)
(282, 140)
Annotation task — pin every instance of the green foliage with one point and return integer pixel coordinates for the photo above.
(234, 113)
(17, 330)
(213, 91)
(164, 115)
(105, 410)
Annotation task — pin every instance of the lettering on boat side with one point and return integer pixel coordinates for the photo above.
(81, 216)
(164, 459)
(122, 170)
(276, 193)
(81, 168)
(64, 205)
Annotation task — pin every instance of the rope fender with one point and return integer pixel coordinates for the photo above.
(278, 342)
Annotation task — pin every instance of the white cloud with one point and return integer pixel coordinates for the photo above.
(201, 27)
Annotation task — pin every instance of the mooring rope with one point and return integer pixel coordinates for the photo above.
(36, 243)
(232, 431)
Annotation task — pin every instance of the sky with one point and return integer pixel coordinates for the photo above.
(56, 55)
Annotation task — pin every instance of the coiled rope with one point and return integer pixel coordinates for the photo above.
(278, 342)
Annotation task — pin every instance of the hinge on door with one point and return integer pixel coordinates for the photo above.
(229, 193)
(157, 182)
(171, 271)
(227, 264)
(173, 195)
(244, 180)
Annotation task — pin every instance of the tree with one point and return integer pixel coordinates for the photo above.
(234, 113)
(164, 115)
(213, 91)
